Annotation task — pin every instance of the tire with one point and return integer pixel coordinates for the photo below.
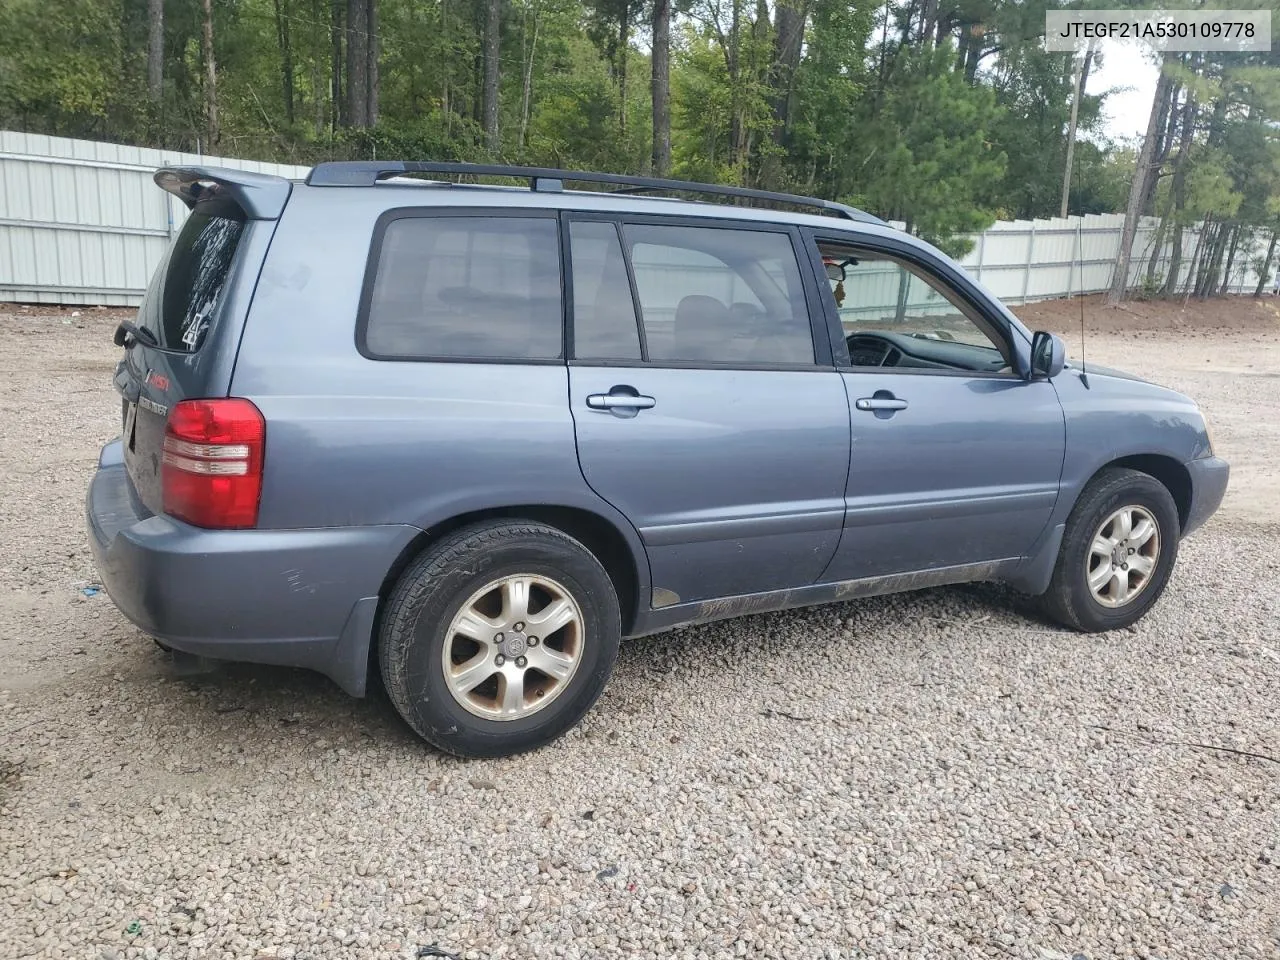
(516, 707)
(1070, 599)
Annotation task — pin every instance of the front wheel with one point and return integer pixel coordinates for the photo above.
(1118, 550)
(499, 638)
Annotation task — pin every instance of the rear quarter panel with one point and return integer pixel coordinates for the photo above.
(355, 441)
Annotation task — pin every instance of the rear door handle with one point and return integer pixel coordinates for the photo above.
(616, 401)
(880, 403)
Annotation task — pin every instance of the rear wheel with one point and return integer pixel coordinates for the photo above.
(499, 638)
(1118, 550)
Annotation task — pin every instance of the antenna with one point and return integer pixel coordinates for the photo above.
(1084, 375)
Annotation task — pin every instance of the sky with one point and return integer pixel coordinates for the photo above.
(1132, 73)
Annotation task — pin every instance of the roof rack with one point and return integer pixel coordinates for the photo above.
(365, 173)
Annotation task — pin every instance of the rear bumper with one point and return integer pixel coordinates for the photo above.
(302, 598)
(1208, 486)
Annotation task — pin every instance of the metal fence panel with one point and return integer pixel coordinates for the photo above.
(82, 222)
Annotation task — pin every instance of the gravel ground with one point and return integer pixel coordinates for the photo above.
(931, 775)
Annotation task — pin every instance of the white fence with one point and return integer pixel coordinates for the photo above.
(1023, 260)
(82, 222)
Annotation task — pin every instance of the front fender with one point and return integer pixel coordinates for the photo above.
(1110, 417)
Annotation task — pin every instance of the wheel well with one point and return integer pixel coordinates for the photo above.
(590, 529)
(1172, 474)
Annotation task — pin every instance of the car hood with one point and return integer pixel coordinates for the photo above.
(1115, 414)
(1103, 381)
(1106, 371)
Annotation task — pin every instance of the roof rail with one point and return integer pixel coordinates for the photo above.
(365, 173)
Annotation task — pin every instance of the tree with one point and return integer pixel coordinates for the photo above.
(610, 24)
(357, 114)
(1138, 190)
(492, 52)
(210, 76)
(924, 156)
(1176, 205)
(1264, 266)
(362, 52)
(372, 53)
(790, 18)
(1082, 74)
(661, 87)
(337, 93)
(155, 50)
(286, 58)
(940, 113)
(528, 53)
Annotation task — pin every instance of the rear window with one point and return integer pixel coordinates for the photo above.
(181, 303)
(474, 287)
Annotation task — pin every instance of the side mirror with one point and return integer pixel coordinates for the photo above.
(1048, 355)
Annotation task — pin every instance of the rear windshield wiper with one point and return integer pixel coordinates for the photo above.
(128, 329)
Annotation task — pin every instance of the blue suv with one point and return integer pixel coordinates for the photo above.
(469, 436)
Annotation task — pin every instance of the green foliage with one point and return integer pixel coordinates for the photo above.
(1210, 190)
(944, 116)
(428, 136)
(1100, 181)
(1149, 287)
(707, 106)
(60, 66)
(1034, 89)
(927, 156)
(575, 119)
(832, 84)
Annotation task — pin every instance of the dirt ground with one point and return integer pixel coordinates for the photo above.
(929, 775)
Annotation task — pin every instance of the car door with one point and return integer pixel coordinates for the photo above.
(703, 410)
(955, 458)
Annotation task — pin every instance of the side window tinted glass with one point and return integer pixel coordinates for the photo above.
(926, 324)
(604, 317)
(482, 287)
(719, 295)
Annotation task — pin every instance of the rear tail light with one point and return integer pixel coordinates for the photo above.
(211, 475)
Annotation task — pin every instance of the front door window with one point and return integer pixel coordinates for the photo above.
(893, 315)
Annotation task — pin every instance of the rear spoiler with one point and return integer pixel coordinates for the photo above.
(259, 195)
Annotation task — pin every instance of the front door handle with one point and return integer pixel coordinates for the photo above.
(880, 403)
(619, 401)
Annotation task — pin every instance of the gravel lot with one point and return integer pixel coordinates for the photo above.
(932, 775)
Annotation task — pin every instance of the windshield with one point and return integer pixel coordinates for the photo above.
(187, 286)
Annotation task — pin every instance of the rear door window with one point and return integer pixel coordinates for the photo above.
(604, 315)
(720, 296)
(181, 303)
(476, 287)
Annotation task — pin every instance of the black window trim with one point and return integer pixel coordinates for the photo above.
(386, 218)
(931, 271)
(818, 333)
(637, 309)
